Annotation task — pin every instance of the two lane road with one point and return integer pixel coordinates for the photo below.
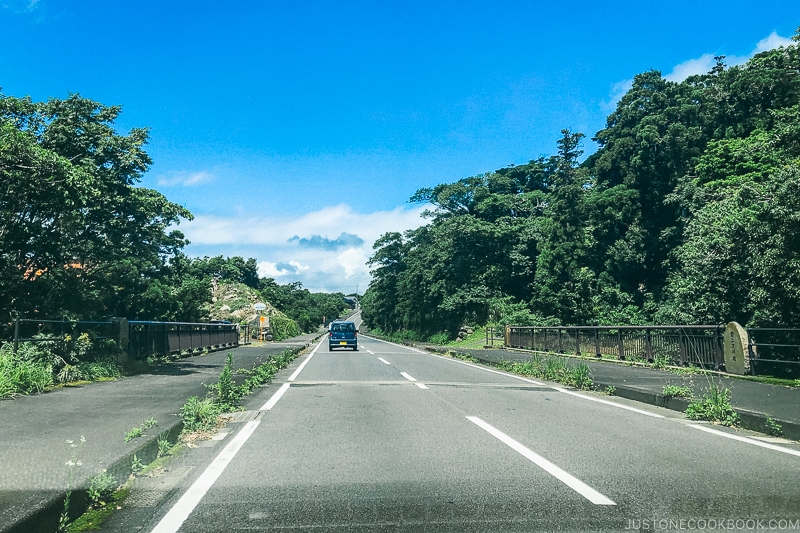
(392, 439)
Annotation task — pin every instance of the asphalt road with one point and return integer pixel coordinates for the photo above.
(392, 439)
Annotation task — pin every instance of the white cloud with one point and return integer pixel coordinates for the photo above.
(770, 42)
(616, 93)
(328, 222)
(185, 179)
(281, 255)
(691, 67)
(706, 62)
(353, 260)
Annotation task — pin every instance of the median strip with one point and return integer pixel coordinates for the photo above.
(569, 480)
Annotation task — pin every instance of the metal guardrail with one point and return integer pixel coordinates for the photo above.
(164, 338)
(674, 345)
(774, 351)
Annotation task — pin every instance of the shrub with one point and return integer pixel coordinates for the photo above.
(677, 391)
(20, 374)
(439, 338)
(283, 328)
(714, 406)
(199, 414)
(226, 391)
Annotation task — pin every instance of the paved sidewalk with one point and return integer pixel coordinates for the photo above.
(754, 401)
(33, 444)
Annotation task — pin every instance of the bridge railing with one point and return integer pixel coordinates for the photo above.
(671, 345)
(774, 351)
(137, 339)
(165, 338)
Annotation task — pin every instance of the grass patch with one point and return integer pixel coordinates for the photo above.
(139, 431)
(477, 337)
(714, 405)
(201, 414)
(552, 369)
(773, 428)
(464, 357)
(106, 495)
(677, 391)
(93, 519)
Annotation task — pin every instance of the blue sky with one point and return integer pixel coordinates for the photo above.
(318, 120)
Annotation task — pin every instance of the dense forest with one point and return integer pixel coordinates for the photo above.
(79, 239)
(687, 213)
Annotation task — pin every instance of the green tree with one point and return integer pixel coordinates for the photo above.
(78, 238)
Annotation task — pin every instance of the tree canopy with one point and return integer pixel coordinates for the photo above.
(78, 237)
(687, 213)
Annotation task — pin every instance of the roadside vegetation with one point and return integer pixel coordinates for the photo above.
(714, 405)
(224, 396)
(691, 180)
(556, 369)
(39, 366)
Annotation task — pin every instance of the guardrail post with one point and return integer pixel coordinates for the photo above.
(597, 343)
(16, 333)
(682, 348)
(648, 345)
(560, 341)
(621, 346)
(720, 355)
(121, 333)
(577, 342)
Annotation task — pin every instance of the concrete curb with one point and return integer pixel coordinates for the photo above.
(751, 420)
(44, 517)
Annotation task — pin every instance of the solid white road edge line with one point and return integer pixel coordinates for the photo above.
(612, 404)
(409, 378)
(559, 389)
(747, 440)
(275, 397)
(176, 516)
(384, 361)
(304, 363)
(568, 479)
(421, 386)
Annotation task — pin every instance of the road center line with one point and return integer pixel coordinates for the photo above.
(370, 352)
(421, 386)
(384, 361)
(463, 363)
(559, 389)
(568, 479)
(409, 378)
(304, 363)
(746, 440)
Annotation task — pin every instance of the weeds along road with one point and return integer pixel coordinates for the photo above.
(392, 439)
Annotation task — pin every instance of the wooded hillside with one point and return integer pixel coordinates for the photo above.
(688, 213)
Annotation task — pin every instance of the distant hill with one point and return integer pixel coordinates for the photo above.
(234, 301)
